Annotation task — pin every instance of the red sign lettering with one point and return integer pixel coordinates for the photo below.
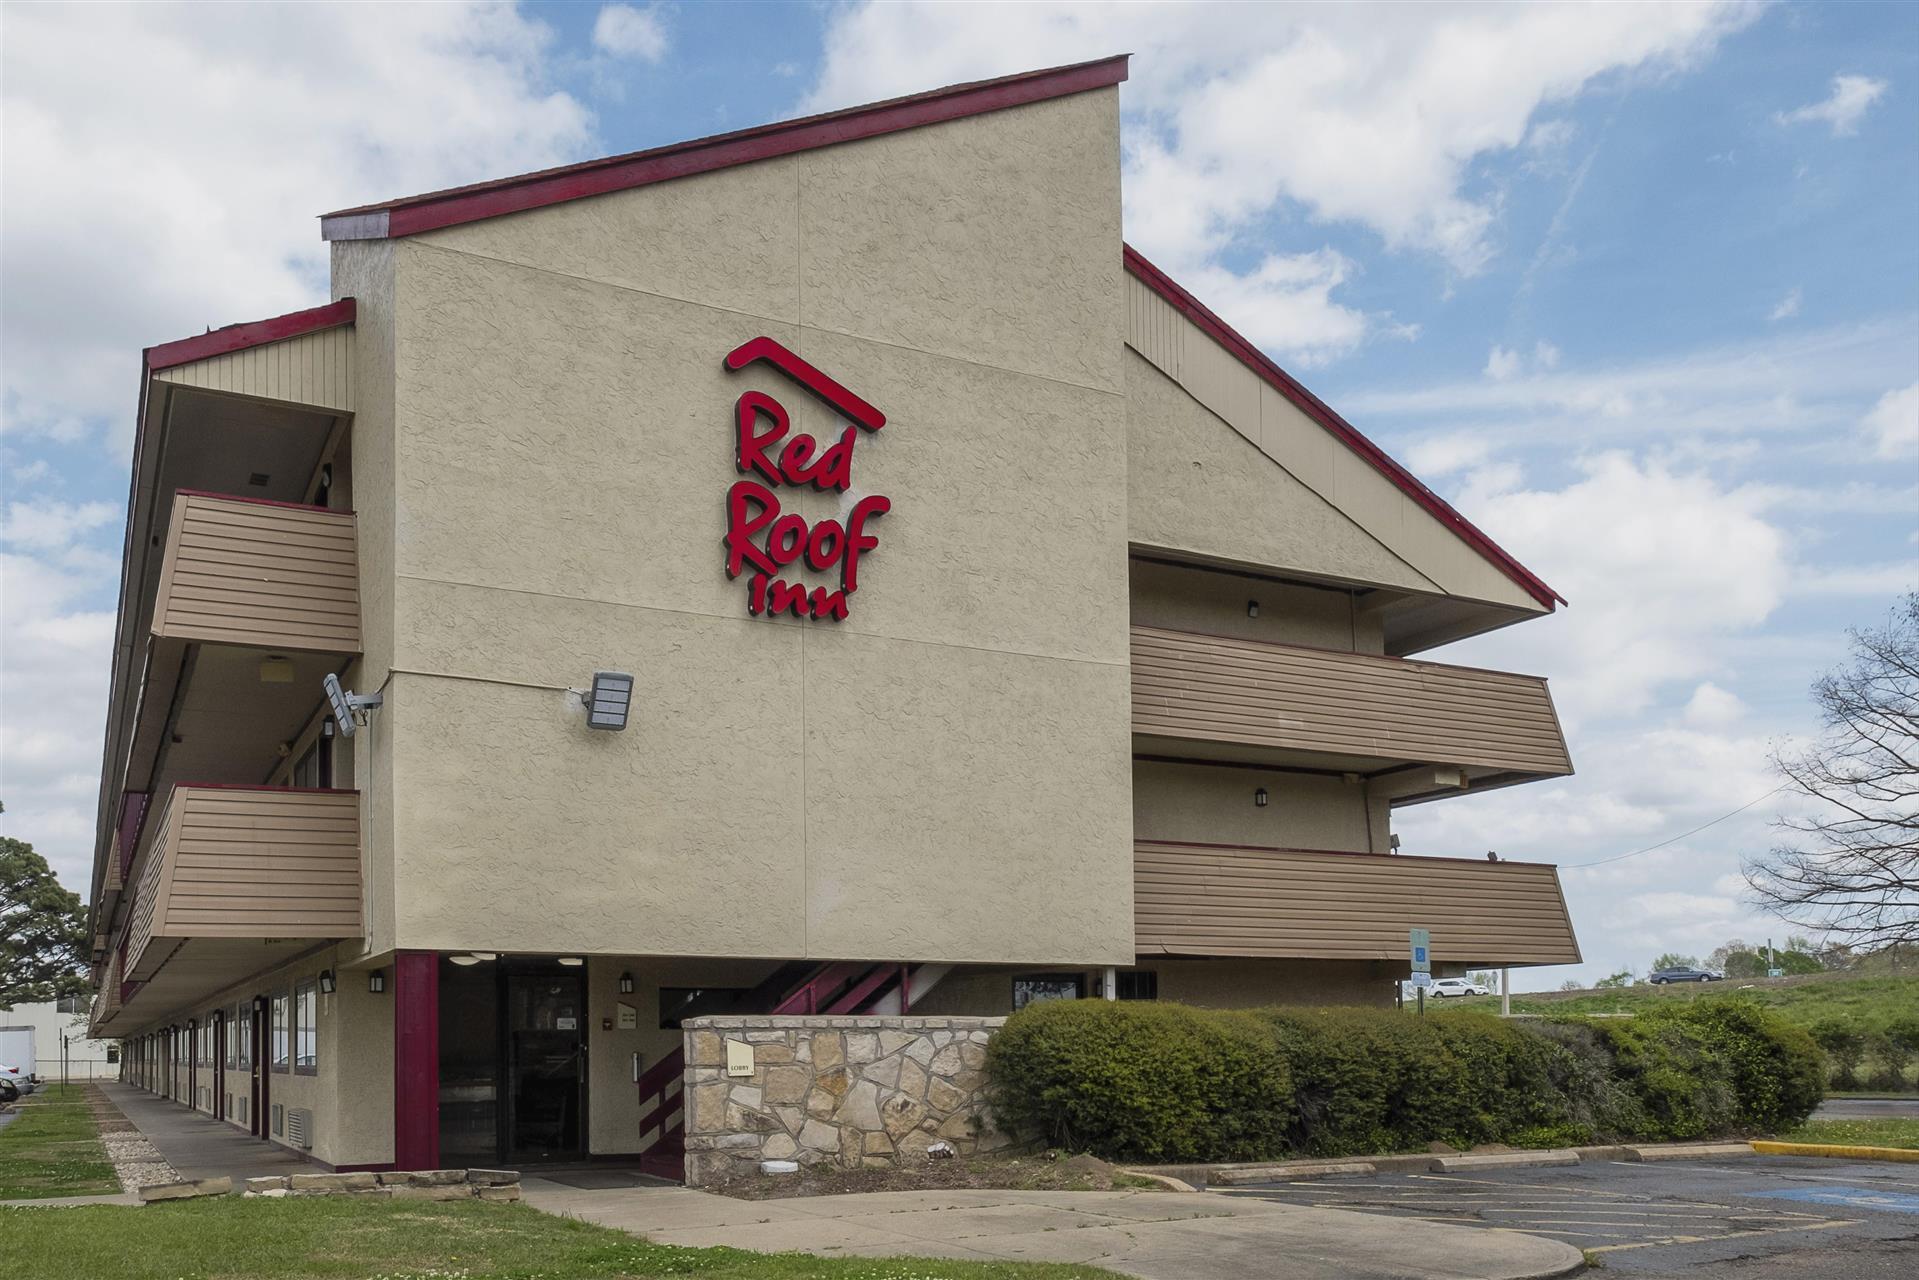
(762, 541)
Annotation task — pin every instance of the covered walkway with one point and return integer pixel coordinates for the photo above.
(198, 1145)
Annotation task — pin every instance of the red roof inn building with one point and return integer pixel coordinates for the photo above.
(820, 568)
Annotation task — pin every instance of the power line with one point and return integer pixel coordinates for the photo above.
(1621, 857)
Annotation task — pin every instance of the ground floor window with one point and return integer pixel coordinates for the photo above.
(1047, 986)
(306, 1029)
(1140, 985)
(278, 1031)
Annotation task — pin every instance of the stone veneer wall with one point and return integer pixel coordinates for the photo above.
(841, 1091)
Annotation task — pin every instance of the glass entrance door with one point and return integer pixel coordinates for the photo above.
(545, 1069)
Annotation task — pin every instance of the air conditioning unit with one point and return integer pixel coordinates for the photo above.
(300, 1128)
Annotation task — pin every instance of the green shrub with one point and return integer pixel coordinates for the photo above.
(1138, 1081)
(1845, 1045)
(1683, 1090)
(1777, 1071)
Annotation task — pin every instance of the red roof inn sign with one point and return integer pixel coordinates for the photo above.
(765, 543)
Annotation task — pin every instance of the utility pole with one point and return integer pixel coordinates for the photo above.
(1505, 993)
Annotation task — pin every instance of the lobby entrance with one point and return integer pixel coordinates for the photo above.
(512, 1061)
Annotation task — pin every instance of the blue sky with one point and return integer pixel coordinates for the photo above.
(1636, 287)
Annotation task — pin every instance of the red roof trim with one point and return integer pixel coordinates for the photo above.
(414, 214)
(1322, 413)
(239, 337)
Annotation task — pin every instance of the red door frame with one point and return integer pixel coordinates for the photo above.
(416, 1060)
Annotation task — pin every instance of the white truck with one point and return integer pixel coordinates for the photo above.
(16, 1057)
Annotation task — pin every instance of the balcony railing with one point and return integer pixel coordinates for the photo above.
(263, 574)
(246, 863)
(1229, 900)
(1350, 711)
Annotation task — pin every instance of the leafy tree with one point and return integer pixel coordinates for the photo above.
(1845, 1046)
(43, 930)
(1673, 960)
(1851, 868)
(1621, 979)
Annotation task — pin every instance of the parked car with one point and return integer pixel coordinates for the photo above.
(1683, 973)
(1457, 987)
(21, 1083)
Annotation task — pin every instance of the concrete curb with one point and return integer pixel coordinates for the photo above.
(1167, 1180)
(1902, 1155)
(1689, 1151)
(1505, 1160)
(1200, 1176)
(1293, 1171)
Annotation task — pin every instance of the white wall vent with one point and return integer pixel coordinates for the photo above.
(300, 1128)
(279, 1120)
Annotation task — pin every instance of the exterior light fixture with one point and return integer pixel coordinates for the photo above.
(1252, 608)
(275, 669)
(327, 983)
(608, 700)
(347, 705)
(1259, 797)
(464, 961)
(572, 962)
(486, 955)
(376, 981)
(626, 984)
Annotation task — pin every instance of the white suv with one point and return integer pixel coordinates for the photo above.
(1456, 987)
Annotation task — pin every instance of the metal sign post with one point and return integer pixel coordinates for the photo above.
(1419, 943)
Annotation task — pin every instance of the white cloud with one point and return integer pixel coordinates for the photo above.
(1711, 707)
(1858, 580)
(1842, 108)
(1545, 355)
(627, 32)
(1501, 363)
(1892, 426)
(1787, 307)
(1236, 111)
(1550, 135)
(166, 179)
(1445, 454)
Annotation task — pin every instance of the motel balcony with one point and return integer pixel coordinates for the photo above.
(1222, 900)
(1412, 730)
(234, 879)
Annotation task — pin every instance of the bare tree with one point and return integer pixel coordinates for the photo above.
(1851, 869)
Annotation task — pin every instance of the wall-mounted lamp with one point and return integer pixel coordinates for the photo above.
(192, 1024)
(572, 962)
(626, 984)
(376, 981)
(327, 984)
(1252, 608)
(464, 961)
(1259, 797)
(608, 700)
(276, 669)
(349, 708)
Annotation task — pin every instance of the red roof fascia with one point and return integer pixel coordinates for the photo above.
(238, 337)
(414, 214)
(1322, 413)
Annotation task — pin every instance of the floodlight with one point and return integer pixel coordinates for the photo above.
(347, 704)
(608, 701)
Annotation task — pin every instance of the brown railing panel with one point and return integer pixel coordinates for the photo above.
(275, 575)
(1218, 689)
(1216, 900)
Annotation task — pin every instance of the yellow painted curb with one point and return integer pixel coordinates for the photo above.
(1904, 1154)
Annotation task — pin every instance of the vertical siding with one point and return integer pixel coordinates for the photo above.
(1217, 689)
(278, 577)
(314, 369)
(1207, 900)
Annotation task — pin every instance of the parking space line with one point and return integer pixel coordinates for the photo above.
(1825, 1225)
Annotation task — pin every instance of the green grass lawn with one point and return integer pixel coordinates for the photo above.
(1868, 1001)
(1889, 1132)
(343, 1238)
(53, 1148)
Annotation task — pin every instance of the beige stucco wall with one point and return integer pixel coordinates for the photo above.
(1213, 804)
(364, 271)
(351, 1092)
(1186, 598)
(946, 774)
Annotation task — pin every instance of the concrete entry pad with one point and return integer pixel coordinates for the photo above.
(1160, 1235)
(1744, 1217)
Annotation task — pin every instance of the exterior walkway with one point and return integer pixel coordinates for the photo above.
(200, 1146)
(1158, 1235)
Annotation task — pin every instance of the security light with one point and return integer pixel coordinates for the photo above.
(327, 984)
(376, 981)
(608, 700)
(1259, 797)
(626, 984)
(347, 704)
(1252, 608)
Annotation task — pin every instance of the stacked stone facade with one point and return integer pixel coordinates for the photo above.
(846, 1092)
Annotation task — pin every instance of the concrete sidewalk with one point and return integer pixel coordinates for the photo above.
(199, 1146)
(1160, 1235)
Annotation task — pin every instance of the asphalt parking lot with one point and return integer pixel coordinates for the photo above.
(1755, 1218)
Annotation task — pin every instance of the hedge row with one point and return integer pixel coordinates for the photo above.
(1166, 1083)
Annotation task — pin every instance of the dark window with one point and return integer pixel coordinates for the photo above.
(1047, 986)
(314, 768)
(1140, 985)
(679, 1003)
